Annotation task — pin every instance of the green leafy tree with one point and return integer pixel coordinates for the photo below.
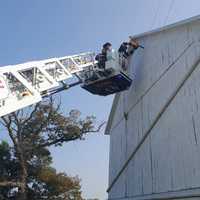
(32, 132)
(43, 181)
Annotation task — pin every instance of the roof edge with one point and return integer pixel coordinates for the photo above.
(167, 27)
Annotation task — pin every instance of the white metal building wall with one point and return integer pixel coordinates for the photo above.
(155, 131)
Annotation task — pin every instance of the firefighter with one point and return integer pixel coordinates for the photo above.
(102, 57)
(126, 50)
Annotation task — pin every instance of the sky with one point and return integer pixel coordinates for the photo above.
(40, 29)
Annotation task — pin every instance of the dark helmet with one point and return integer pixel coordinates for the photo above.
(107, 45)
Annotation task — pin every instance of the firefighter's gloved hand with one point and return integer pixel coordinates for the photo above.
(135, 44)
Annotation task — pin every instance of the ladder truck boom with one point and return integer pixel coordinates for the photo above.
(25, 84)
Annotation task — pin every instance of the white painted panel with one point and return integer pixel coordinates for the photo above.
(117, 150)
(139, 173)
(169, 160)
(119, 112)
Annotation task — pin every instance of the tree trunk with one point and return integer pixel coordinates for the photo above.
(24, 174)
(22, 195)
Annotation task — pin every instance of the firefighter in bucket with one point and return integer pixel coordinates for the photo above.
(126, 50)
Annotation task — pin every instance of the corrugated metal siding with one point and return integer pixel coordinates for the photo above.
(169, 159)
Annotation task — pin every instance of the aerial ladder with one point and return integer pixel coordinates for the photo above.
(25, 84)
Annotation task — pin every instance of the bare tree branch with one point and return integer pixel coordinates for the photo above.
(32, 113)
(54, 142)
(10, 183)
(95, 131)
(10, 130)
(75, 137)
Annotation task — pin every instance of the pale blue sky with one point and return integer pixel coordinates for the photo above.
(39, 29)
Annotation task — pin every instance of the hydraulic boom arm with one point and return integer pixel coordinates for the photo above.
(26, 84)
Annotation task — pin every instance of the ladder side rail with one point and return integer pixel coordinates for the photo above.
(29, 90)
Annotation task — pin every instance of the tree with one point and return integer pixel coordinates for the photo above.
(58, 185)
(7, 167)
(43, 182)
(32, 131)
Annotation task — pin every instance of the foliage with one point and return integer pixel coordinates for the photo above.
(25, 170)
